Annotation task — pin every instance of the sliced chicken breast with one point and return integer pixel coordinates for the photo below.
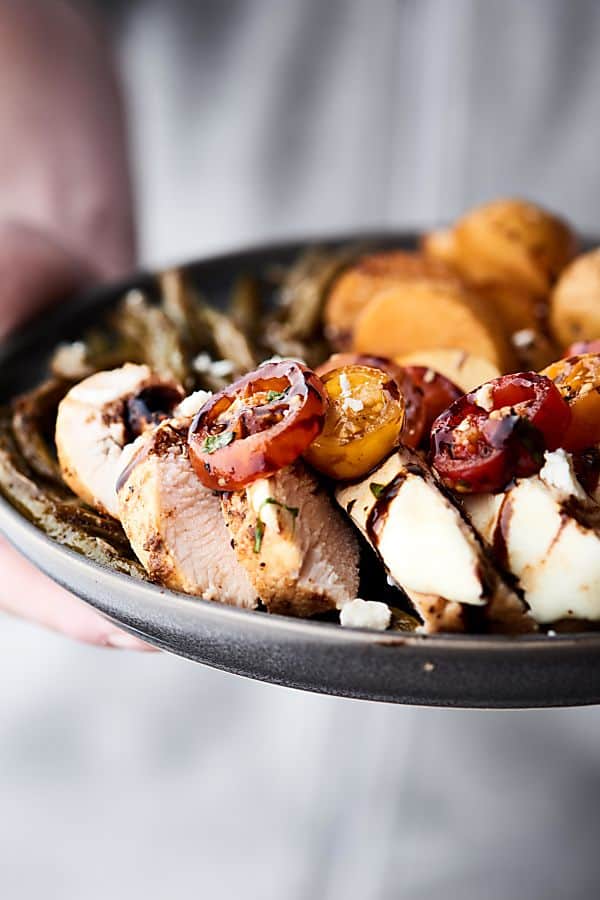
(546, 531)
(98, 418)
(175, 524)
(429, 548)
(299, 553)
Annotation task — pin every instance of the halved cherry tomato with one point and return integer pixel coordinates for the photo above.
(499, 432)
(257, 425)
(415, 414)
(438, 392)
(580, 347)
(578, 380)
(363, 422)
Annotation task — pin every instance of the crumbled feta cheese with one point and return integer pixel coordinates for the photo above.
(220, 368)
(345, 385)
(277, 358)
(429, 376)
(202, 363)
(189, 406)
(484, 397)
(365, 614)
(353, 403)
(258, 493)
(70, 360)
(134, 299)
(523, 338)
(558, 473)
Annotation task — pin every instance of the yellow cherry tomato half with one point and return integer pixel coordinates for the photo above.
(578, 380)
(363, 421)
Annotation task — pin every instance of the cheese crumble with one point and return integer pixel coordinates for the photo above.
(366, 614)
(558, 473)
(484, 397)
(189, 406)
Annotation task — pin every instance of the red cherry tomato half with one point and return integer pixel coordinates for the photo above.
(438, 392)
(257, 425)
(415, 413)
(499, 432)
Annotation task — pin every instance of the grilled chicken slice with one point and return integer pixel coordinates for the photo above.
(175, 524)
(299, 553)
(546, 531)
(429, 549)
(98, 418)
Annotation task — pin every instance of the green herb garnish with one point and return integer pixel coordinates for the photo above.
(213, 442)
(377, 489)
(259, 533)
(271, 501)
(259, 528)
(272, 396)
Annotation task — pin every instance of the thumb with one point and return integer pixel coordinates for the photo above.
(35, 271)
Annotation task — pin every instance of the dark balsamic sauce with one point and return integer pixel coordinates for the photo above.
(379, 511)
(149, 407)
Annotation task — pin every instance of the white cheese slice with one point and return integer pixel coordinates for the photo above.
(551, 544)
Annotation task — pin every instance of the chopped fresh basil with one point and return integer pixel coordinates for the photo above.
(213, 442)
(376, 489)
(259, 528)
(293, 510)
(259, 533)
(272, 396)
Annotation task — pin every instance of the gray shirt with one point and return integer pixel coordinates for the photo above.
(151, 777)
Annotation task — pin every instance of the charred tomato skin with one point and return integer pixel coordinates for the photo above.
(437, 390)
(480, 450)
(256, 426)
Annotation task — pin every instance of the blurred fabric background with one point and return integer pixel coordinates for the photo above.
(125, 775)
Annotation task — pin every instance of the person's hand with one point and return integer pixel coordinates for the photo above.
(35, 271)
(65, 220)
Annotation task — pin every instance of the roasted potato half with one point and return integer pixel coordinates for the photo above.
(464, 369)
(575, 301)
(508, 241)
(410, 315)
(353, 289)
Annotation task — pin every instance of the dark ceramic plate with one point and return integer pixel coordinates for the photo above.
(460, 671)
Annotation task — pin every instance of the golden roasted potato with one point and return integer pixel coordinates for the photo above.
(575, 301)
(353, 289)
(512, 242)
(464, 369)
(518, 309)
(410, 315)
(440, 246)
